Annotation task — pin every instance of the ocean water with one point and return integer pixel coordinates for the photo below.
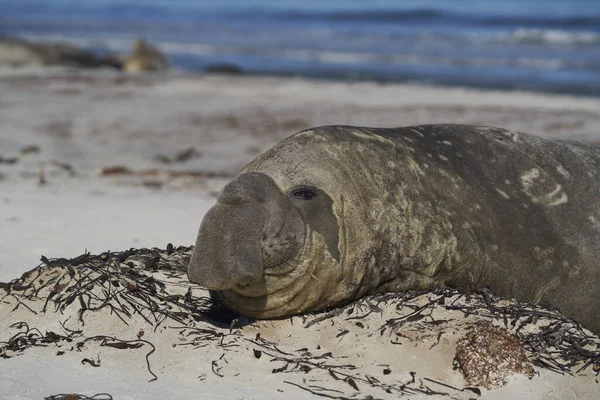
(542, 45)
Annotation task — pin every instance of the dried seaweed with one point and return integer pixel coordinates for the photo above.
(552, 340)
(31, 337)
(126, 344)
(114, 282)
(73, 396)
(152, 284)
(327, 362)
(321, 392)
(118, 282)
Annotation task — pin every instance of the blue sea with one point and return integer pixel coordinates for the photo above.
(541, 45)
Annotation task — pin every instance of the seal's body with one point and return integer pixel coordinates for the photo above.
(338, 212)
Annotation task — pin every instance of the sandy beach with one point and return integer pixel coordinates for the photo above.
(82, 122)
(102, 161)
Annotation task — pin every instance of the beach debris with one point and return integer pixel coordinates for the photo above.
(149, 288)
(92, 362)
(65, 167)
(116, 343)
(8, 160)
(162, 158)
(153, 184)
(155, 178)
(186, 154)
(30, 337)
(73, 396)
(488, 355)
(179, 157)
(42, 177)
(114, 170)
(30, 149)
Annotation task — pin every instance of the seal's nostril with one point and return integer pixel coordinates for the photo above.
(248, 279)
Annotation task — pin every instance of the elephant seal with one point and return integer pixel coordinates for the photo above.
(145, 57)
(334, 213)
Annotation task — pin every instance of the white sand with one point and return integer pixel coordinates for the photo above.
(189, 362)
(93, 120)
(65, 219)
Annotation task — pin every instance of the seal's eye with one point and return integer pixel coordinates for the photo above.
(304, 193)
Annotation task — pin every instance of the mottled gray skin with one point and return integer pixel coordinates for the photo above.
(406, 208)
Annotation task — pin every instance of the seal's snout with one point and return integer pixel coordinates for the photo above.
(253, 228)
(227, 251)
(201, 274)
(252, 188)
(228, 248)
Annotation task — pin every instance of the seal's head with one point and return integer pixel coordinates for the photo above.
(251, 214)
(251, 245)
(321, 219)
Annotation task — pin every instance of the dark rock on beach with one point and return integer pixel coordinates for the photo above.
(19, 52)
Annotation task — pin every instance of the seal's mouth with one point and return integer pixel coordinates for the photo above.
(263, 302)
(274, 279)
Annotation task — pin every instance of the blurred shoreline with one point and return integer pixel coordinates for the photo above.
(549, 46)
(552, 76)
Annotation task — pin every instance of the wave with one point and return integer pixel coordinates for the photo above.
(325, 57)
(548, 36)
(404, 59)
(425, 15)
(161, 10)
(526, 71)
